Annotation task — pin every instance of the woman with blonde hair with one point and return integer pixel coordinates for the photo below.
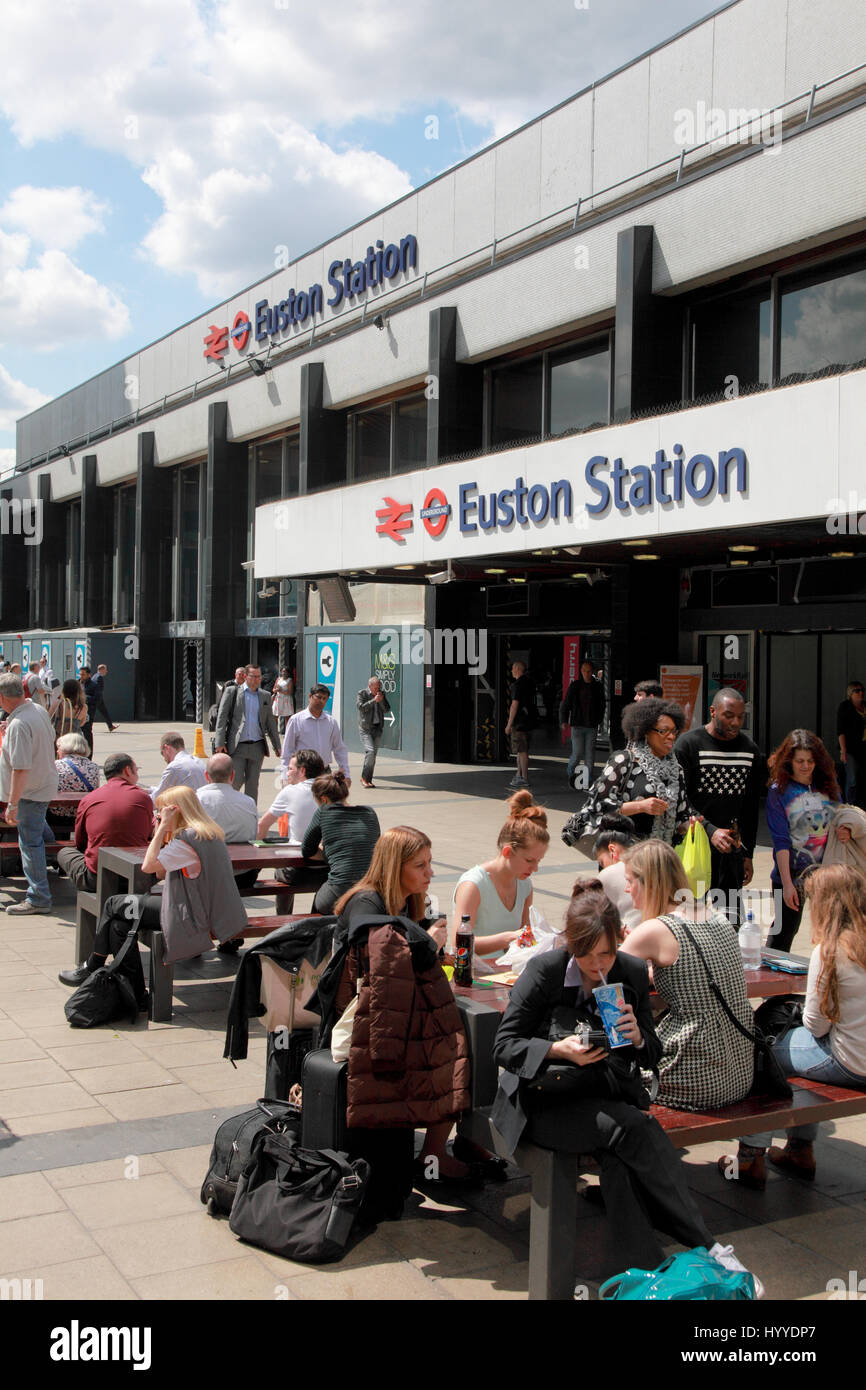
(830, 1046)
(199, 901)
(496, 896)
(706, 1062)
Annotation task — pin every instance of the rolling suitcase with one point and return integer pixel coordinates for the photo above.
(232, 1147)
(323, 1083)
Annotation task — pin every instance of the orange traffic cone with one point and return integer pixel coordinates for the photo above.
(198, 750)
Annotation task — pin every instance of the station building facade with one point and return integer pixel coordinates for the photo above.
(600, 389)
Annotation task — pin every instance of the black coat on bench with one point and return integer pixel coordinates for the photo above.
(523, 1039)
(310, 939)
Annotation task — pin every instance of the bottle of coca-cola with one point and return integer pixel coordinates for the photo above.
(464, 950)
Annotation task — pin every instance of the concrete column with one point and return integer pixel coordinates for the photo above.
(151, 590)
(648, 337)
(223, 550)
(455, 393)
(96, 547)
(323, 452)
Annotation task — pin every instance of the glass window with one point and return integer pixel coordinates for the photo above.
(293, 465)
(372, 443)
(269, 472)
(823, 322)
(731, 339)
(188, 534)
(515, 408)
(73, 563)
(410, 450)
(580, 390)
(125, 548)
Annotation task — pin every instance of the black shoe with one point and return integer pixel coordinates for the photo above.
(230, 948)
(76, 977)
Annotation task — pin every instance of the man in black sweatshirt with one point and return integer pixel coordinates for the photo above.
(725, 773)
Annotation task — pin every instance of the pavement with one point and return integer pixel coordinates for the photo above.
(105, 1134)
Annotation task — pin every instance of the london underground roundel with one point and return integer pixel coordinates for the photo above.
(435, 512)
(241, 330)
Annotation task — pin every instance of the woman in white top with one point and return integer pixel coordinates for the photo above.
(497, 896)
(615, 836)
(283, 701)
(831, 1045)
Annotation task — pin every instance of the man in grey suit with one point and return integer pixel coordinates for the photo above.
(245, 722)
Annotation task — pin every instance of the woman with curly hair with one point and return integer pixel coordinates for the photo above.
(802, 801)
(644, 781)
(831, 1044)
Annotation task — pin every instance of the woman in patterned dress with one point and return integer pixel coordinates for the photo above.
(707, 1062)
(643, 781)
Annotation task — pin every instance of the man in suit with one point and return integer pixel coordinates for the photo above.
(244, 724)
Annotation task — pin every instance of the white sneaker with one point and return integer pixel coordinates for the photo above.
(724, 1255)
(26, 909)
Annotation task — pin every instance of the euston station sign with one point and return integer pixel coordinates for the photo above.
(346, 278)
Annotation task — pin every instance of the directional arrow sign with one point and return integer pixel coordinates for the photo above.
(389, 718)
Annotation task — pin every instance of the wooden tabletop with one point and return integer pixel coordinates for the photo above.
(274, 856)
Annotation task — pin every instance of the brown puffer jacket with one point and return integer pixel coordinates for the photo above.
(408, 1062)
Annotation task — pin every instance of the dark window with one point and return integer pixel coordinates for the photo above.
(293, 466)
(580, 390)
(410, 445)
(731, 340)
(188, 533)
(125, 533)
(269, 472)
(372, 443)
(516, 401)
(745, 587)
(73, 564)
(823, 322)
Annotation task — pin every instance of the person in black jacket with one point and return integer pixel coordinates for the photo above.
(851, 732)
(640, 1171)
(583, 710)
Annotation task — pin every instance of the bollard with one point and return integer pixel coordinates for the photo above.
(198, 750)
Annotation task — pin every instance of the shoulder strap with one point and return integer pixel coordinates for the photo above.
(79, 774)
(716, 991)
(124, 950)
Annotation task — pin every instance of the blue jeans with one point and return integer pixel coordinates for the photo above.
(582, 750)
(802, 1054)
(31, 825)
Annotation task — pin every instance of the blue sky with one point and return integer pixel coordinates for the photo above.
(151, 157)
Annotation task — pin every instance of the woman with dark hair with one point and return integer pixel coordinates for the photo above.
(68, 711)
(644, 781)
(613, 839)
(802, 801)
(345, 836)
(557, 1089)
(831, 1045)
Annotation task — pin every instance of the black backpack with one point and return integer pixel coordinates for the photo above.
(113, 991)
(233, 1144)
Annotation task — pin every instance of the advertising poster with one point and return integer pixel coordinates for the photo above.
(685, 685)
(570, 672)
(45, 652)
(328, 670)
(384, 663)
(25, 655)
(80, 656)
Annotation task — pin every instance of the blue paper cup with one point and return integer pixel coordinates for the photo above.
(609, 998)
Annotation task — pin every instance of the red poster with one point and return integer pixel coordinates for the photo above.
(570, 672)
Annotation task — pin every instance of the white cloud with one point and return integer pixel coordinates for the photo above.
(57, 217)
(7, 461)
(53, 303)
(16, 399)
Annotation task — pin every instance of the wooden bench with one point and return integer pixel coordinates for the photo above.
(11, 846)
(553, 1201)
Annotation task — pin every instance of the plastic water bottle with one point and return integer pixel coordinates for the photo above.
(751, 943)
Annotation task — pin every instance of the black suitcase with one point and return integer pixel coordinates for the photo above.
(323, 1084)
(285, 1060)
(232, 1144)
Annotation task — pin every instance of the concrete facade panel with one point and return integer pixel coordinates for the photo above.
(620, 143)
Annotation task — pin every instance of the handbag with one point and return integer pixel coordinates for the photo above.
(341, 1033)
(106, 994)
(232, 1147)
(613, 1078)
(769, 1079)
(298, 1203)
(691, 1275)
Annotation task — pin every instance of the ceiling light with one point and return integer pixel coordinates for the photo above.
(733, 564)
(580, 574)
(643, 542)
(404, 567)
(841, 554)
(495, 571)
(744, 549)
(647, 555)
(517, 579)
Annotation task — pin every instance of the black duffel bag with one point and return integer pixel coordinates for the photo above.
(233, 1144)
(298, 1203)
(109, 992)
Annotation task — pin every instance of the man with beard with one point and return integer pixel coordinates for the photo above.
(725, 773)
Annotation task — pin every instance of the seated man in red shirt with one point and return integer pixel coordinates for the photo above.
(120, 813)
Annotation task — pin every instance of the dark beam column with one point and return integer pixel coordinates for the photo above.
(95, 607)
(223, 550)
(648, 338)
(49, 558)
(322, 442)
(14, 613)
(455, 393)
(151, 591)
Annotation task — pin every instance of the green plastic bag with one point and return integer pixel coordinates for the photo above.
(694, 851)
